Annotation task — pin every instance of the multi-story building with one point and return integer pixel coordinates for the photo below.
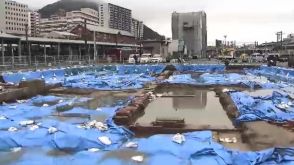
(35, 23)
(14, 17)
(191, 28)
(137, 29)
(70, 21)
(115, 17)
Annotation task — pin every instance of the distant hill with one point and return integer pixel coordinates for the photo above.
(150, 34)
(63, 6)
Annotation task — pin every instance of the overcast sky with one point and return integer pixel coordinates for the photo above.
(240, 20)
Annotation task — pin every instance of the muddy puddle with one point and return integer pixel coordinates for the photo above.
(262, 135)
(195, 107)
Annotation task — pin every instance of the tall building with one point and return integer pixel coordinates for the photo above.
(70, 21)
(115, 17)
(14, 17)
(137, 29)
(192, 29)
(35, 23)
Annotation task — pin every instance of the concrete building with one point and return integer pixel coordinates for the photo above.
(192, 29)
(14, 17)
(35, 23)
(156, 47)
(177, 47)
(70, 21)
(137, 29)
(115, 17)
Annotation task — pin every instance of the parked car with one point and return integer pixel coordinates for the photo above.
(145, 58)
(132, 60)
(157, 59)
(257, 57)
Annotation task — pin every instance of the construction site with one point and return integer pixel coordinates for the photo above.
(148, 114)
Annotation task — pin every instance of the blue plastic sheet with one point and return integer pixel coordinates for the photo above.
(277, 108)
(225, 79)
(140, 69)
(30, 75)
(277, 73)
(109, 82)
(96, 77)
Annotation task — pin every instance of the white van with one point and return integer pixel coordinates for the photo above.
(257, 57)
(157, 59)
(145, 58)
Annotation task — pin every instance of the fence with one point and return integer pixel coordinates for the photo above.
(43, 61)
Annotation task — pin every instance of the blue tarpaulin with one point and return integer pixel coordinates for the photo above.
(95, 77)
(109, 82)
(277, 107)
(140, 69)
(224, 79)
(278, 73)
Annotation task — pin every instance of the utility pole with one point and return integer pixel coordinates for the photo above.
(140, 39)
(27, 43)
(85, 38)
(116, 45)
(95, 49)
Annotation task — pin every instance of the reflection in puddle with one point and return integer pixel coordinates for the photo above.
(105, 101)
(203, 109)
(176, 91)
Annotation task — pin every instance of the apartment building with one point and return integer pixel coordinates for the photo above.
(115, 17)
(68, 22)
(35, 23)
(14, 17)
(137, 29)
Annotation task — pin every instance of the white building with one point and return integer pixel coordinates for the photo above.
(191, 27)
(35, 23)
(70, 21)
(115, 17)
(176, 47)
(14, 17)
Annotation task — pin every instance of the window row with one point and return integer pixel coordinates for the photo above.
(16, 19)
(15, 28)
(15, 23)
(16, 14)
(15, 9)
